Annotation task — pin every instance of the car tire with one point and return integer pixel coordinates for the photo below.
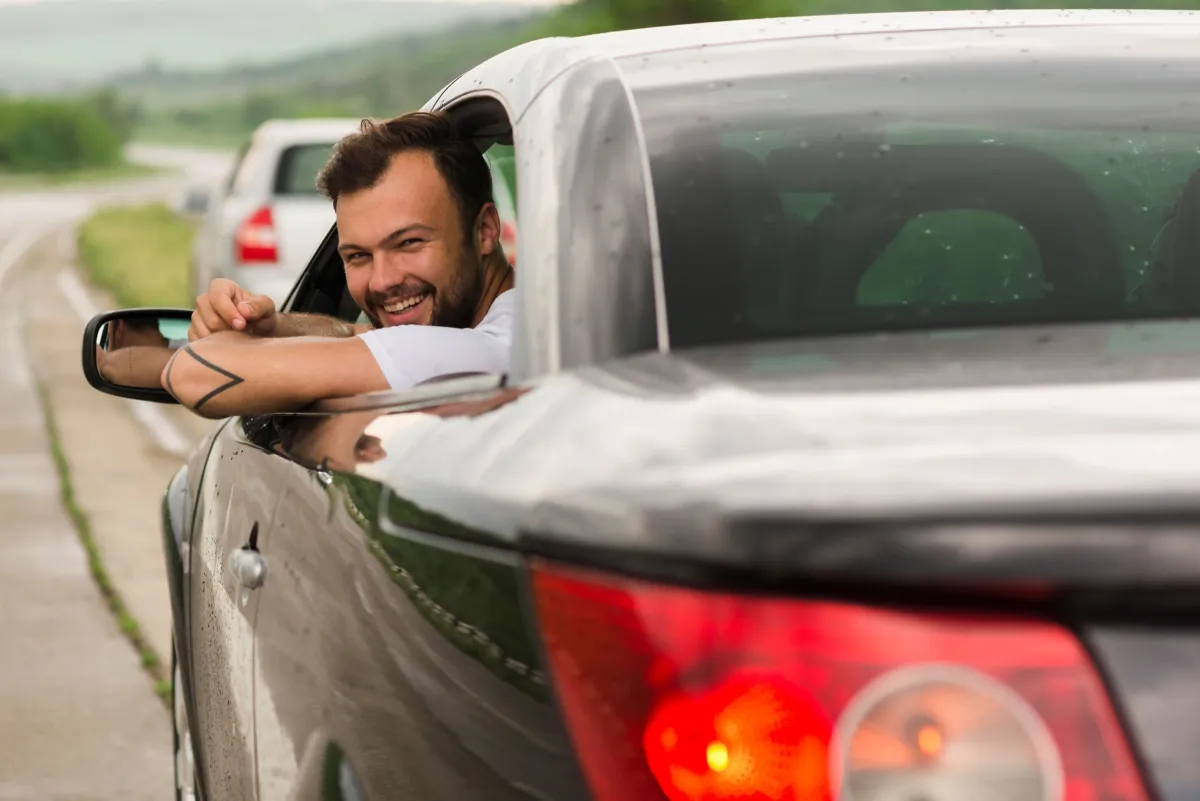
(185, 760)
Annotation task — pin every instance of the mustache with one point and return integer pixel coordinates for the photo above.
(410, 287)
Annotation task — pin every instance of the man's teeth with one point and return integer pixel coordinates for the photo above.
(396, 308)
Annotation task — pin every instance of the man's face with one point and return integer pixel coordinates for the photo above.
(408, 260)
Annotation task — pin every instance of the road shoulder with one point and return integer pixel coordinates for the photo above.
(118, 470)
(79, 719)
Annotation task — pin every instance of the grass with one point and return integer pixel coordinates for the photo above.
(129, 627)
(13, 181)
(141, 254)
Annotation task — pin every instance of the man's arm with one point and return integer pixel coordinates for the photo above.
(133, 366)
(228, 307)
(231, 373)
(316, 325)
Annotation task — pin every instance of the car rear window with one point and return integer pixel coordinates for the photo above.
(298, 168)
(924, 180)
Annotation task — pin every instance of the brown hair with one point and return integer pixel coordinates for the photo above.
(360, 160)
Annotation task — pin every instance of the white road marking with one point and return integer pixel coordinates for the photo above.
(164, 433)
(15, 357)
(16, 249)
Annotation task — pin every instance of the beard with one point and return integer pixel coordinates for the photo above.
(453, 306)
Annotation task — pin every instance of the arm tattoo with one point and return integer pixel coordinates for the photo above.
(233, 381)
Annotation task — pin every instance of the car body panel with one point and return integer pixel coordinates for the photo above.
(669, 459)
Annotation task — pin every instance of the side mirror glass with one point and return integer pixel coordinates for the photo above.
(125, 352)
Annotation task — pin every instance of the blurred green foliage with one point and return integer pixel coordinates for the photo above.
(61, 135)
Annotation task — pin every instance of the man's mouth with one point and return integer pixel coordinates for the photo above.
(404, 310)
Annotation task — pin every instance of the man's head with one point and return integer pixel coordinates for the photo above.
(417, 225)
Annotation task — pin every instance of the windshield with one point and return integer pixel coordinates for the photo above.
(924, 180)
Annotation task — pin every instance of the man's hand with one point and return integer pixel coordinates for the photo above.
(228, 307)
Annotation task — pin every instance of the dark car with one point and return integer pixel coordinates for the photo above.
(849, 447)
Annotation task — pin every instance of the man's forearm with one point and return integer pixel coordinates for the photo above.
(135, 366)
(230, 373)
(314, 325)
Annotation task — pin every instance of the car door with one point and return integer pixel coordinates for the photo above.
(239, 493)
(393, 657)
(236, 501)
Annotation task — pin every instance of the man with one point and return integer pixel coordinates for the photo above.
(419, 236)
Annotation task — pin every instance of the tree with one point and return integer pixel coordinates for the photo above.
(641, 14)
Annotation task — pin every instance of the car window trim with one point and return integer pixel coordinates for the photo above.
(433, 393)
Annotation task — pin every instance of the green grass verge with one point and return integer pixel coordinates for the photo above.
(15, 181)
(150, 661)
(141, 254)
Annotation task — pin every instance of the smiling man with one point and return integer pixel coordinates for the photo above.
(419, 236)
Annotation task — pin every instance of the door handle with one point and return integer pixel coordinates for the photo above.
(249, 566)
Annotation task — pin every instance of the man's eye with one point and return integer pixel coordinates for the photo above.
(410, 242)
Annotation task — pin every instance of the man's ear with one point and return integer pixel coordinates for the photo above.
(487, 230)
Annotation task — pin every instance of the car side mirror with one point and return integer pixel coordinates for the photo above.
(125, 351)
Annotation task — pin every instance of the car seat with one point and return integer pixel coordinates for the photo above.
(723, 234)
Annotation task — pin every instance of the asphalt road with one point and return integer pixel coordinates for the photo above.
(78, 717)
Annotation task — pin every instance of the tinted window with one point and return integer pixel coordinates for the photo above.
(924, 180)
(298, 168)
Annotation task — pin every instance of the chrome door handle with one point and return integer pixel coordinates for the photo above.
(249, 567)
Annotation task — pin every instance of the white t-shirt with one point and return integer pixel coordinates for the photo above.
(411, 354)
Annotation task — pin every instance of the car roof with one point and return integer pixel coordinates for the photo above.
(621, 44)
(306, 130)
(523, 71)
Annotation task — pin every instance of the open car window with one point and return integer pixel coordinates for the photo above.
(322, 288)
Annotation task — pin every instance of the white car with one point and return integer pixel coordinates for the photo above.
(263, 224)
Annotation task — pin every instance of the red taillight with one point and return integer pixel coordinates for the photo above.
(508, 238)
(689, 696)
(255, 239)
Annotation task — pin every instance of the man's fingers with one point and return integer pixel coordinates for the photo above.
(256, 307)
(208, 306)
(198, 329)
(227, 312)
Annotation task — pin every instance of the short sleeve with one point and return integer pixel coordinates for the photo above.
(412, 354)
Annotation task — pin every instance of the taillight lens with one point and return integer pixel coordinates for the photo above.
(255, 240)
(689, 696)
(508, 239)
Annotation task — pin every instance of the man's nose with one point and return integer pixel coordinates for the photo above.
(384, 274)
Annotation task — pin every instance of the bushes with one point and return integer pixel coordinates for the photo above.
(38, 135)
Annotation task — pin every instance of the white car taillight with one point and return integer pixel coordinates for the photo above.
(255, 241)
